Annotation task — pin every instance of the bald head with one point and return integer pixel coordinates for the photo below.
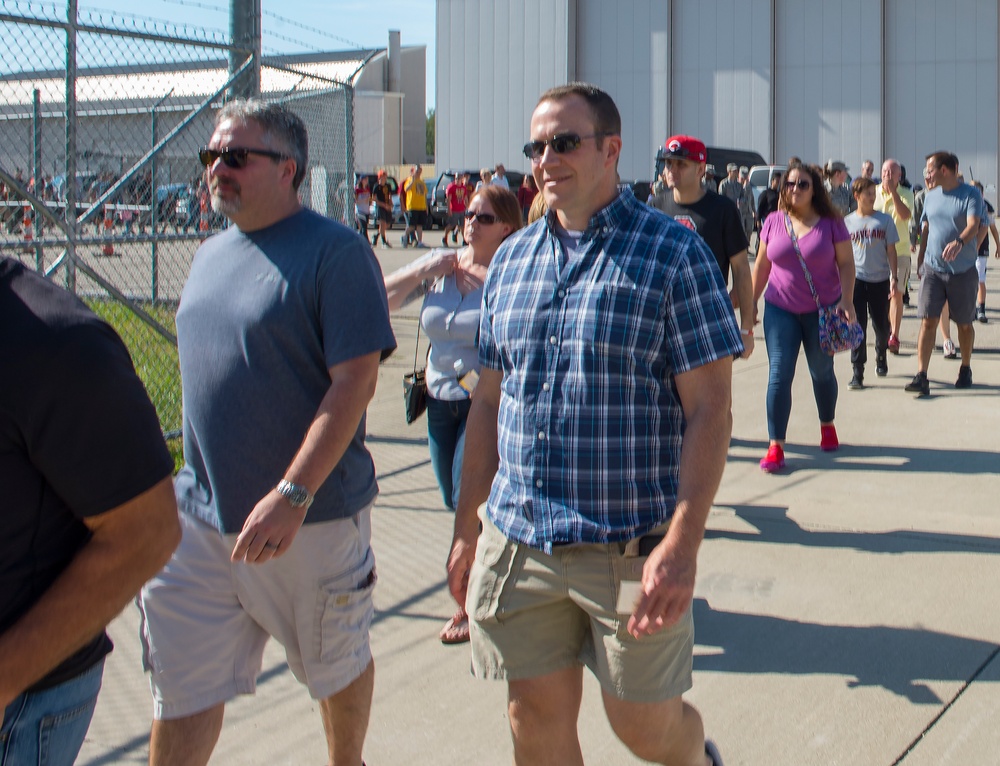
(891, 169)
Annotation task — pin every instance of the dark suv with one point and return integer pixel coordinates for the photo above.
(718, 157)
(438, 207)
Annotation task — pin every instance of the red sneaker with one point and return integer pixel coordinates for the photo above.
(828, 440)
(774, 460)
(893, 344)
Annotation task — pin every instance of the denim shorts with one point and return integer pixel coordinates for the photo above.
(47, 728)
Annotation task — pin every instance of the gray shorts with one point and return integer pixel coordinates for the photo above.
(958, 290)
(456, 219)
(532, 614)
(205, 619)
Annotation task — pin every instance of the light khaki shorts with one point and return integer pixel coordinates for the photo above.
(205, 619)
(532, 614)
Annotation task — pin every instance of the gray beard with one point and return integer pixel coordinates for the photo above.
(226, 207)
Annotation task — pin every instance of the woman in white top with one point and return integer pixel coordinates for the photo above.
(451, 285)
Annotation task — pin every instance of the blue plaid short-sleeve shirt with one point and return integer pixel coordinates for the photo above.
(590, 423)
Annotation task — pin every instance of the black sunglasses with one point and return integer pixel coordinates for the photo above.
(235, 157)
(485, 218)
(561, 144)
(803, 185)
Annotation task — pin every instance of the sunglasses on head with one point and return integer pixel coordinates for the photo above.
(561, 144)
(485, 218)
(235, 157)
(801, 184)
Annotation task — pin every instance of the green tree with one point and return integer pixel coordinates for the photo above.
(430, 135)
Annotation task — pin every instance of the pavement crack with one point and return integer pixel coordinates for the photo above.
(933, 722)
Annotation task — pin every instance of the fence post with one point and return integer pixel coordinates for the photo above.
(36, 168)
(154, 287)
(349, 153)
(71, 225)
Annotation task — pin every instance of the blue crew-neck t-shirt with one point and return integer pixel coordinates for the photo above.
(262, 318)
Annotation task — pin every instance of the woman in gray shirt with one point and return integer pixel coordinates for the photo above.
(451, 284)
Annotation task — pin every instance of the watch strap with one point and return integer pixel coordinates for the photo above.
(296, 495)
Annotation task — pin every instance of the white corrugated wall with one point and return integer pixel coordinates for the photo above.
(494, 59)
(705, 67)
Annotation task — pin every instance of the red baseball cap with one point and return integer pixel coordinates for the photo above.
(686, 148)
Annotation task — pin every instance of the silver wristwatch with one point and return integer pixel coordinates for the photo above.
(296, 495)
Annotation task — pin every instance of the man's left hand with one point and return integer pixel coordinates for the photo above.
(269, 530)
(667, 590)
(951, 251)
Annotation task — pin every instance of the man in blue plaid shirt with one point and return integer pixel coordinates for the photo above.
(595, 445)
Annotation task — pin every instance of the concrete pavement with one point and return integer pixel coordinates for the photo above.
(845, 608)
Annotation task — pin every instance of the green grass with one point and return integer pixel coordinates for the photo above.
(155, 360)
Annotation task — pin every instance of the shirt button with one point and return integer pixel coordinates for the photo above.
(541, 435)
(546, 386)
(562, 293)
(539, 483)
(553, 340)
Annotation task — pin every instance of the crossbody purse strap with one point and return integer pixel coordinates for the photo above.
(802, 261)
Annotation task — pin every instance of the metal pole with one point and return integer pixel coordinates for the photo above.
(245, 31)
(154, 287)
(154, 204)
(36, 169)
(71, 228)
(349, 154)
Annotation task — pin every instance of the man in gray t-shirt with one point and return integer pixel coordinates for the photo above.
(281, 328)
(950, 223)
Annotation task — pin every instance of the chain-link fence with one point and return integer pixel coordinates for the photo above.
(101, 119)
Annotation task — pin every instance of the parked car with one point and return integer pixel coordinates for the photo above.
(438, 201)
(760, 178)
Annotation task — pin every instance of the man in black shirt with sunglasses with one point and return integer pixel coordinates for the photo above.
(715, 217)
(281, 327)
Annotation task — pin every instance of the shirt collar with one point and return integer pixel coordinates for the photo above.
(616, 213)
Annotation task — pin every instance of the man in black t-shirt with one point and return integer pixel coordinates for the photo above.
(88, 508)
(768, 202)
(714, 217)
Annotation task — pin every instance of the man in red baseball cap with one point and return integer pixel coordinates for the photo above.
(686, 148)
(714, 216)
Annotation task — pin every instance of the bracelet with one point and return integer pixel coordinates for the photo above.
(746, 333)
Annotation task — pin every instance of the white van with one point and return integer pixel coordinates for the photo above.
(760, 178)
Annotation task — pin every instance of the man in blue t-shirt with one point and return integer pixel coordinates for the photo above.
(950, 224)
(281, 328)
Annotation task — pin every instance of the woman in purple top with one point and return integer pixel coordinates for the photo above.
(791, 319)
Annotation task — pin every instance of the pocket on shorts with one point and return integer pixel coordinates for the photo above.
(344, 612)
(492, 576)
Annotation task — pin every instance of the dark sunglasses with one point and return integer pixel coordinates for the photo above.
(802, 185)
(561, 144)
(485, 218)
(235, 157)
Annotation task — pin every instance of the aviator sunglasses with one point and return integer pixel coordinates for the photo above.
(801, 184)
(235, 157)
(484, 218)
(561, 144)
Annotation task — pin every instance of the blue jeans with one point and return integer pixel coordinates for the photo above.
(446, 437)
(784, 333)
(47, 728)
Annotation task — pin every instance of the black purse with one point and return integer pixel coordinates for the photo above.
(415, 387)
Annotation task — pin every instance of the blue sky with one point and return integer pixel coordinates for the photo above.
(305, 25)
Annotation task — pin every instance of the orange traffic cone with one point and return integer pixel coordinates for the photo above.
(203, 220)
(27, 229)
(109, 229)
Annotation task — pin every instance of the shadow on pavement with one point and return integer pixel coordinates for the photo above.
(774, 526)
(899, 660)
(876, 457)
